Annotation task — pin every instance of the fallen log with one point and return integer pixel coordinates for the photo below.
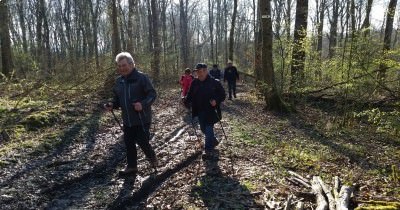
(382, 205)
(342, 203)
(327, 191)
(322, 204)
(299, 177)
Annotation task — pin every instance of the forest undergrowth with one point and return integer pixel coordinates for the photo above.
(61, 150)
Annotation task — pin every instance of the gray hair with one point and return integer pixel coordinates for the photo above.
(124, 55)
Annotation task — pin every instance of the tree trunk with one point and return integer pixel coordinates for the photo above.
(366, 23)
(388, 36)
(5, 41)
(232, 31)
(320, 26)
(21, 18)
(116, 46)
(299, 54)
(211, 27)
(156, 42)
(333, 30)
(184, 33)
(271, 96)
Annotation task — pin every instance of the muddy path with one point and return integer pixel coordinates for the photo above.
(82, 172)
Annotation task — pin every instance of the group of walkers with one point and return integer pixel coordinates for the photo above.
(202, 92)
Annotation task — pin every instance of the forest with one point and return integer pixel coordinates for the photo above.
(315, 124)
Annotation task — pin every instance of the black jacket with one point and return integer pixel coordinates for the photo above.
(216, 73)
(136, 87)
(231, 74)
(201, 93)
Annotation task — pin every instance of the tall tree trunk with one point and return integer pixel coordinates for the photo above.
(184, 32)
(388, 36)
(232, 31)
(271, 96)
(288, 17)
(299, 54)
(150, 24)
(156, 41)
(5, 41)
(366, 23)
(320, 26)
(21, 18)
(116, 44)
(211, 27)
(333, 29)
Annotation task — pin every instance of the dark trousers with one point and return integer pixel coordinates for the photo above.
(232, 88)
(135, 135)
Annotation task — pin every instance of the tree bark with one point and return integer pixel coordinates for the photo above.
(388, 36)
(366, 24)
(184, 33)
(116, 44)
(333, 29)
(232, 31)
(272, 99)
(5, 41)
(299, 54)
(156, 41)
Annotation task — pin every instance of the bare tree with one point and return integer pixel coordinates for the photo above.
(320, 24)
(232, 31)
(5, 40)
(271, 96)
(333, 19)
(156, 41)
(366, 24)
(116, 43)
(388, 36)
(183, 5)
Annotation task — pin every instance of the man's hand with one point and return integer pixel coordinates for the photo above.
(137, 106)
(213, 103)
(108, 106)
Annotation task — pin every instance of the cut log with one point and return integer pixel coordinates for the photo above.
(342, 203)
(322, 204)
(336, 187)
(327, 191)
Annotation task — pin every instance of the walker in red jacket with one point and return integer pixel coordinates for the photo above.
(186, 81)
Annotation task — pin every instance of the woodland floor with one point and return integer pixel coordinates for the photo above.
(74, 163)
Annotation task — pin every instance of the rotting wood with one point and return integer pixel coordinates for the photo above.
(288, 202)
(342, 203)
(322, 204)
(327, 191)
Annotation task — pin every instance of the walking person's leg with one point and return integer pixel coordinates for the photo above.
(131, 153)
(143, 137)
(234, 88)
(230, 87)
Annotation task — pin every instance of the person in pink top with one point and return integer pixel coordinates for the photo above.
(186, 81)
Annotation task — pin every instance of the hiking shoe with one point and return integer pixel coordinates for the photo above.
(208, 155)
(128, 171)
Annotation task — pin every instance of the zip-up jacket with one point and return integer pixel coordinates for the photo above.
(136, 87)
(199, 96)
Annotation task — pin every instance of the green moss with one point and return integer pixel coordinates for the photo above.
(39, 120)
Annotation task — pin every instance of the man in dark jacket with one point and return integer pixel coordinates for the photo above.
(205, 96)
(215, 72)
(134, 94)
(231, 75)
